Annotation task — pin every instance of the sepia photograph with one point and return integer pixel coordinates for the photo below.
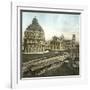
(50, 43)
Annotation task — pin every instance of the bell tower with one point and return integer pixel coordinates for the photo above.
(73, 47)
(73, 38)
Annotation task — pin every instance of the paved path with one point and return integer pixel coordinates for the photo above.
(39, 66)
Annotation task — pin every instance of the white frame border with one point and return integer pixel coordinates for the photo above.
(15, 43)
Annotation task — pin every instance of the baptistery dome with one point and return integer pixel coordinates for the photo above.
(34, 38)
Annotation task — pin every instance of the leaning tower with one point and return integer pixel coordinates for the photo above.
(73, 47)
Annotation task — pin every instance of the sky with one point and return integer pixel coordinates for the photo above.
(54, 24)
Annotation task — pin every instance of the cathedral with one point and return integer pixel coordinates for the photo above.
(34, 40)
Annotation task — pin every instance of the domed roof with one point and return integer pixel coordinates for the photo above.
(35, 25)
